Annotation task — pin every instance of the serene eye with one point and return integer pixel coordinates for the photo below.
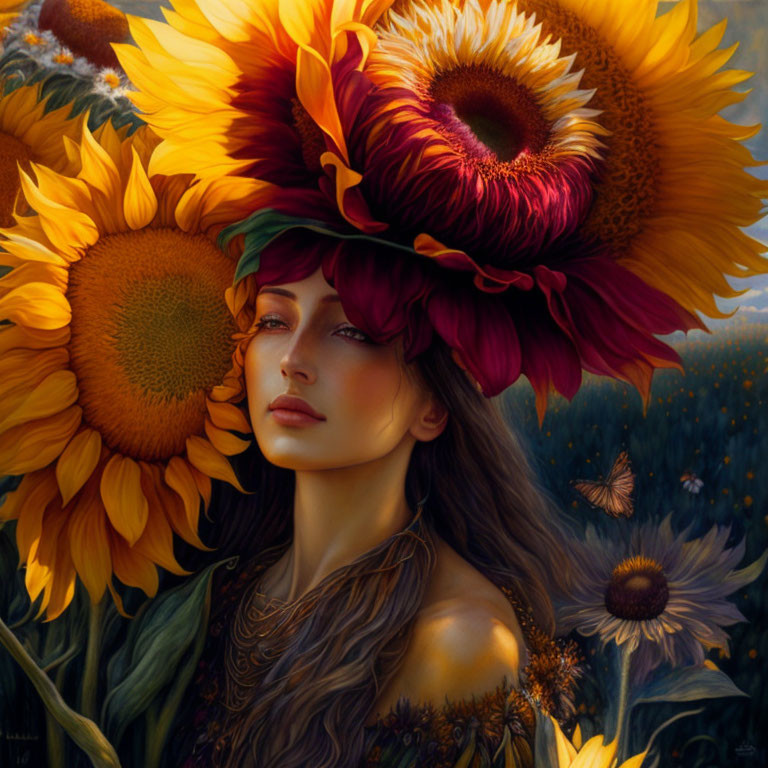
(267, 321)
(271, 322)
(355, 333)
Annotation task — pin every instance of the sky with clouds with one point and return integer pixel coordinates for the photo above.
(747, 25)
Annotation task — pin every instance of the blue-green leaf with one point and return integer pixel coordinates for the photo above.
(155, 646)
(687, 684)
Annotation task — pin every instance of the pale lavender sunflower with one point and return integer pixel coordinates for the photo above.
(662, 595)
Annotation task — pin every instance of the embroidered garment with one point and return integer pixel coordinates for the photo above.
(495, 730)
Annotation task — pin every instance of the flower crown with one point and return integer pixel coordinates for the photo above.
(559, 220)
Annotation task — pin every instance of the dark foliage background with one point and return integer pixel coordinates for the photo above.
(712, 421)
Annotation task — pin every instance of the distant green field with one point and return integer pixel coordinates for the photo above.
(711, 421)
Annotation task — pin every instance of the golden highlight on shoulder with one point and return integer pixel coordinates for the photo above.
(459, 648)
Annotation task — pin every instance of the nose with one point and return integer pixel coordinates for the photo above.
(297, 362)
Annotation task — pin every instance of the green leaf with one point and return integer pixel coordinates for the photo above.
(687, 684)
(156, 643)
(263, 227)
(545, 744)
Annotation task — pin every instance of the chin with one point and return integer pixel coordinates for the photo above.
(308, 460)
(297, 457)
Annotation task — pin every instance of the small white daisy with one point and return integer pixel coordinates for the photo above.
(110, 83)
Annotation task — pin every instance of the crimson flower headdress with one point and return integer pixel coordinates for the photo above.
(540, 184)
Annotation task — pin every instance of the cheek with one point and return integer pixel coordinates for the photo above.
(257, 376)
(374, 392)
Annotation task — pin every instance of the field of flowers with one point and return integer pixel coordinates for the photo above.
(712, 422)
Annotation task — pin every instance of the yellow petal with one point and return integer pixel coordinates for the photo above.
(226, 17)
(15, 337)
(38, 305)
(566, 752)
(11, 505)
(228, 416)
(346, 178)
(68, 229)
(314, 87)
(31, 272)
(36, 444)
(635, 761)
(90, 545)
(223, 441)
(140, 202)
(31, 498)
(50, 564)
(36, 578)
(23, 369)
(178, 475)
(207, 459)
(77, 462)
(132, 567)
(595, 754)
(62, 590)
(203, 486)
(123, 498)
(54, 394)
(156, 543)
(27, 249)
(213, 63)
(65, 190)
(98, 168)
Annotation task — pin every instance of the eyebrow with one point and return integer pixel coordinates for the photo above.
(282, 292)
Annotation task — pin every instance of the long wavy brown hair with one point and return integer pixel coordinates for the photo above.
(341, 643)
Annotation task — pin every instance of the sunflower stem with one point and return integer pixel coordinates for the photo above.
(623, 715)
(84, 732)
(54, 741)
(90, 689)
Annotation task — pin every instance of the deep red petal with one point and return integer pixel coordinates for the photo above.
(481, 330)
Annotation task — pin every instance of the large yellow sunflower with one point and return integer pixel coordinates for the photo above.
(675, 192)
(29, 135)
(223, 72)
(115, 380)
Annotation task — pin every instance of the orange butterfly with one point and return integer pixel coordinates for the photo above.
(613, 494)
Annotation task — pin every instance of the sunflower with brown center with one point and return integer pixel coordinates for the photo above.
(29, 135)
(658, 595)
(674, 193)
(116, 370)
(86, 27)
(489, 145)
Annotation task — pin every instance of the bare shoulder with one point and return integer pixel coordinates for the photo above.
(465, 639)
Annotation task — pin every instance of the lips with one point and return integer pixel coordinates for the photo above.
(295, 404)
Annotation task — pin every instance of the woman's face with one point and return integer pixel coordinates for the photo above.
(306, 348)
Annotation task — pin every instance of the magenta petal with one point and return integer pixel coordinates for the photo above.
(613, 332)
(292, 257)
(481, 330)
(487, 278)
(418, 334)
(378, 290)
(303, 204)
(549, 358)
(648, 308)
